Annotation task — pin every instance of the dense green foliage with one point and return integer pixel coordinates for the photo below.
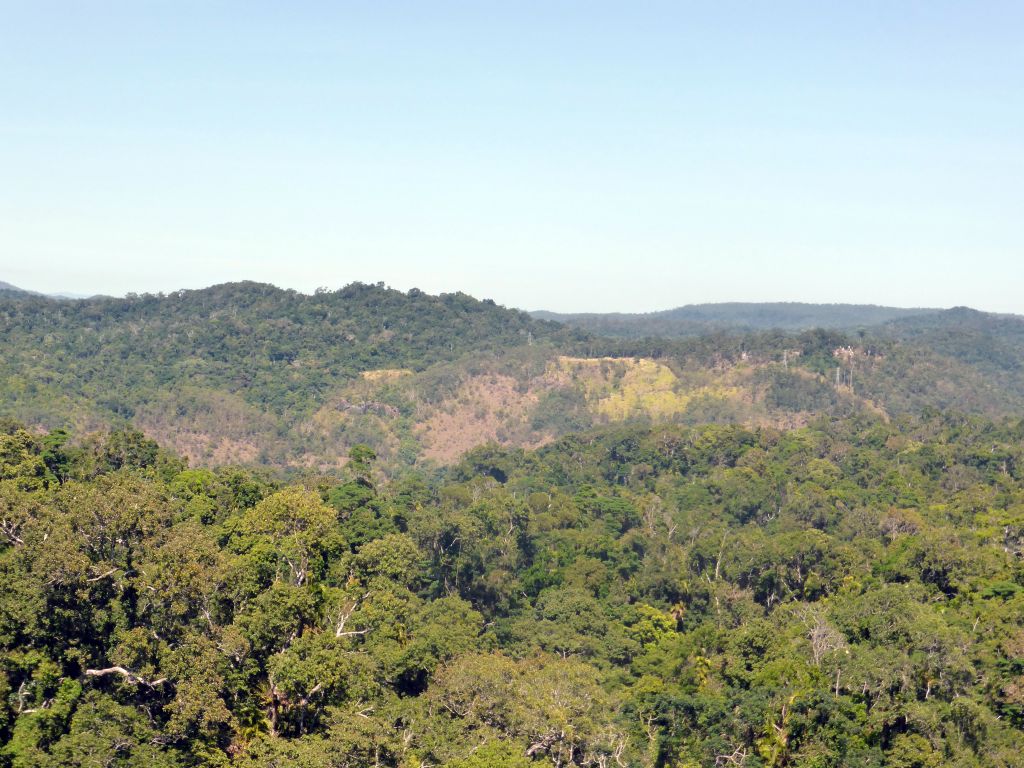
(279, 350)
(846, 594)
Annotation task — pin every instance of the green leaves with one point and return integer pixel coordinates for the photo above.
(298, 525)
(744, 595)
(21, 460)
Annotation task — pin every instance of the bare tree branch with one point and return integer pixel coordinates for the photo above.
(131, 677)
(102, 576)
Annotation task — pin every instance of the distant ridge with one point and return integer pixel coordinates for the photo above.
(699, 319)
(8, 288)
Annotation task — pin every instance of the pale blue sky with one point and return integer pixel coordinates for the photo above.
(562, 155)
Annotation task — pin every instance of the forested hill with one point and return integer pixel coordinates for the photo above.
(247, 373)
(698, 319)
(989, 340)
(246, 336)
(846, 594)
(7, 288)
(278, 349)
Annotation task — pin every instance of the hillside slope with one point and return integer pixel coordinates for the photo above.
(249, 373)
(7, 288)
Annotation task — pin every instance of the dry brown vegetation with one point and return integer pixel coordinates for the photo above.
(439, 414)
(487, 408)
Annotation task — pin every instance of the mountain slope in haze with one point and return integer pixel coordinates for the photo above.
(249, 373)
(9, 291)
(959, 358)
(248, 354)
(698, 319)
(7, 288)
(272, 346)
(980, 338)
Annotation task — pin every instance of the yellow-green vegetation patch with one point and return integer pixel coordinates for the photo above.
(386, 374)
(625, 388)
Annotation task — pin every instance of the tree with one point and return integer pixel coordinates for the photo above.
(298, 526)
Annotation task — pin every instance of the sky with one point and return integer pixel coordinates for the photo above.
(572, 156)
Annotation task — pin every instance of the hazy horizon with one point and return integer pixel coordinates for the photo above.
(76, 295)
